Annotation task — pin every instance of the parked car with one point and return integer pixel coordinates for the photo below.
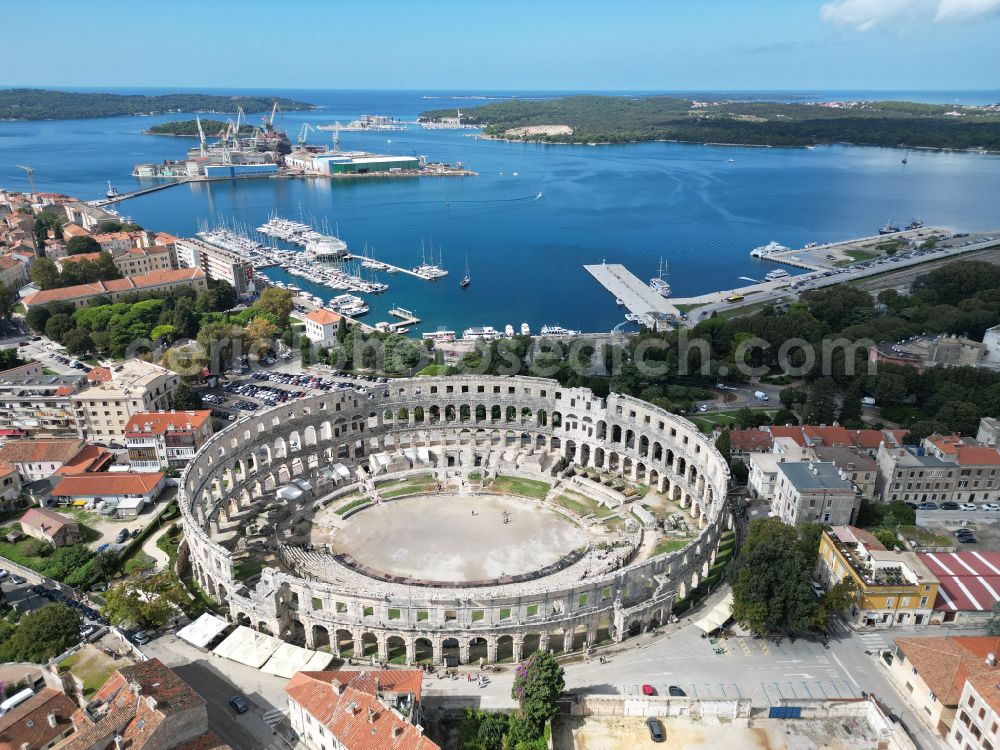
(949, 506)
(990, 506)
(122, 536)
(141, 638)
(648, 690)
(3, 574)
(17, 580)
(968, 506)
(967, 539)
(239, 704)
(656, 731)
(927, 506)
(676, 692)
(86, 631)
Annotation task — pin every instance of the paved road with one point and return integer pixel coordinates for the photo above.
(948, 250)
(217, 680)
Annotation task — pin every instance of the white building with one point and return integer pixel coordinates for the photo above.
(321, 326)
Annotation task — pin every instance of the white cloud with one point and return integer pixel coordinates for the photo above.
(863, 15)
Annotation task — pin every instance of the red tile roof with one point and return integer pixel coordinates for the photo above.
(970, 581)
(108, 483)
(750, 441)
(323, 316)
(159, 422)
(40, 451)
(99, 375)
(129, 283)
(90, 458)
(833, 435)
(80, 256)
(134, 702)
(8, 262)
(29, 722)
(345, 703)
(945, 663)
(47, 521)
(978, 455)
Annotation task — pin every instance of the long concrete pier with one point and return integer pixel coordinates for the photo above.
(635, 294)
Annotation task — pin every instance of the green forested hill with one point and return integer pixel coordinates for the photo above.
(618, 119)
(42, 104)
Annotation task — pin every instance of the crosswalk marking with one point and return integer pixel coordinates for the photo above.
(743, 645)
(273, 718)
(764, 647)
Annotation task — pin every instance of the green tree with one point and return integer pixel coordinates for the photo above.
(820, 407)
(185, 320)
(45, 221)
(276, 302)
(8, 300)
(186, 398)
(58, 326)
(78, 341)
(539, 682)
(37, 317)
(341, 330)
(771, 581)
(44, 274)
(81, 245)
(42, 634)
(840, 596)
(147, 601)
(166, 332)
(724, 445)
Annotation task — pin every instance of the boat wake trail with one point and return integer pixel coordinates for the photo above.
(449, 202)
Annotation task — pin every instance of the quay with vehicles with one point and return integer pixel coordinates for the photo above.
(366, 123)
(828, 265)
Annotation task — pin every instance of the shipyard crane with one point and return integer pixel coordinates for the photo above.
(303, 134)
(31, 176)
(269, 121)
(240, 114)
(201, 136)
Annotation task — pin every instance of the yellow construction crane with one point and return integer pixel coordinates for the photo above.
(31, 176)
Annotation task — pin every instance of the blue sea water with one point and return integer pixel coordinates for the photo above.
(700, 208)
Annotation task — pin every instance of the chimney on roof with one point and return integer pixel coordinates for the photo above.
(991, 659)
(53, 721)
(119, 742)
(397, 731)
(337, 686)
(136, 688)
(372, 715)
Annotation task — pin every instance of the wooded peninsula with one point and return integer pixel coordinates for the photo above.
(211, 128)
(43, 104)
(620, 119)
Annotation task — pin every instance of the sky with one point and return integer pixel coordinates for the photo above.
(512, 45)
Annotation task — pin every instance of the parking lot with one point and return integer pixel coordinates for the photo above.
(969, 530)
(249, 391)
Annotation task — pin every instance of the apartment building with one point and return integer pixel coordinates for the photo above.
(813, 491)
(37, 405)
(217, 263)
(321, 326)
(943, 468)
(112, 396)
(158, 439)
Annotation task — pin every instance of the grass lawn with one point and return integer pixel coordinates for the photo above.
(517, 486)
(475, 476)
(348, 507)
(670, 545)
(572, 505)
(249, 569)
(739, 310)
(139, 561)
(435, 371)
(614, 523)
(93, 667)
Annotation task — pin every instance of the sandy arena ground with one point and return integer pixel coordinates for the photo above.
(450, 537)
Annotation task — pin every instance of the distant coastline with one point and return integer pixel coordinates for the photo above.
(44, 104)
(595, 120)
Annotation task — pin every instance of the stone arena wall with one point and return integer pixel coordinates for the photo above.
(465, 423)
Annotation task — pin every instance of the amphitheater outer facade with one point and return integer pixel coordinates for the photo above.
(464, 422)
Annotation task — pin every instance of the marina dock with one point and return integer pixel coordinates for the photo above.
(391, 268)
(634, 293)
(407, 318)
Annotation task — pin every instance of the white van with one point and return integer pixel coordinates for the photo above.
(760, 395)
(15, 700)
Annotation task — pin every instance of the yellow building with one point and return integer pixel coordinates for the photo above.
(893, 588)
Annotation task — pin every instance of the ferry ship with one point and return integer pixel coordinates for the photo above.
(657, 284)
(480, 333)
(780, 273)
(558, 331)
(525, 329)
(770, 248)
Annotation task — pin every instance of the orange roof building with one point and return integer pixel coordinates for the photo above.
(321, 326)
(115, 289)
(166, 438)
(38, 722)
(355, 710)
(131, 491)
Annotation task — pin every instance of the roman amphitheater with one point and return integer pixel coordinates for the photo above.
(454, 520)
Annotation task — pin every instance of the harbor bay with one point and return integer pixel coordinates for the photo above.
(700, 208)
